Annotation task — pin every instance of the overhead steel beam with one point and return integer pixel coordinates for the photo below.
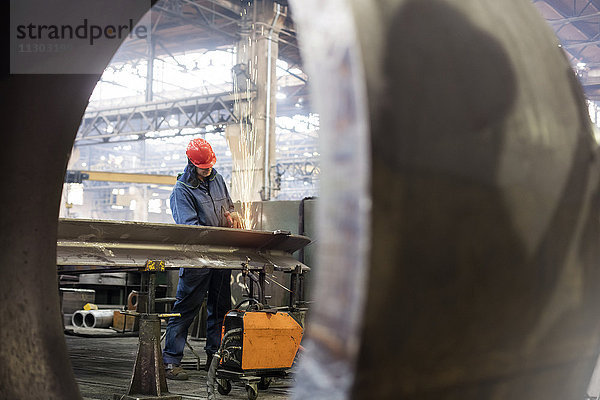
(203, 7)
(206, 23)
(228, 5)
(579, 45)
(100, 125)
(569, 20)
(562, 10)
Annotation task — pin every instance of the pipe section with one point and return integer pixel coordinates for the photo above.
(98, 318)
(78, 318)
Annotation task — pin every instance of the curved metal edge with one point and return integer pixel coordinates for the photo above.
(328, 36)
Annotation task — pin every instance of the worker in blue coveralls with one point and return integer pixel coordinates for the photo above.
(200, 197)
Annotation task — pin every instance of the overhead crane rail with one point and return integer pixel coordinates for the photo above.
(103, 176)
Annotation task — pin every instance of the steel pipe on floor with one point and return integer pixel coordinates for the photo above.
(78, 317)
(98, 318)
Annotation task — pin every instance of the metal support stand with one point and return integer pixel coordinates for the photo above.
(148, 381)
(258, 279)
(262, 281)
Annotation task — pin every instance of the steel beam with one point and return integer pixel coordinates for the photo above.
(92, 245)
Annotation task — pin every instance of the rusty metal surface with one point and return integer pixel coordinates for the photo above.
(148, 380)
(482, 276)
(31, 331)
(92, 245)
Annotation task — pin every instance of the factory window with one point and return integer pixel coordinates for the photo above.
(154, 206)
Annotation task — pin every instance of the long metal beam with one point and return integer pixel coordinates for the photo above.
(92, 245)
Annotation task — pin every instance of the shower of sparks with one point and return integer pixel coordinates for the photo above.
(248, 152)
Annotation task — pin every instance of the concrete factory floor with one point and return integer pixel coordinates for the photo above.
(103, 367)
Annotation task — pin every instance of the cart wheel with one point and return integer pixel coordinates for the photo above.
(264, 383)
(223, 386)
(252, 391)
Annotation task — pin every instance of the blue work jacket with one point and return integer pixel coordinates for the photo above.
(196, 202)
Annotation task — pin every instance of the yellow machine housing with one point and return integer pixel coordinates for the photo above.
(268, 341)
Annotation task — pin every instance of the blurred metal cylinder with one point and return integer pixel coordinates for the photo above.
(459, 207)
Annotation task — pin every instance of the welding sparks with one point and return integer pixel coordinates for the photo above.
(248, 150)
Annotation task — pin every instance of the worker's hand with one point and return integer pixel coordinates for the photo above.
(234, 219)
(237, 220)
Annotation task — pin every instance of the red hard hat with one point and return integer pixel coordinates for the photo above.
(200, 153)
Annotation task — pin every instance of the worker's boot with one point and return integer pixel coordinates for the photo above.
(175, 372)
(209, 358)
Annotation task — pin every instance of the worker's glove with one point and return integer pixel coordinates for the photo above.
(233, 219)
(237, 220)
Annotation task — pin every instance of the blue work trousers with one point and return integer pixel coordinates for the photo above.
(191, 289)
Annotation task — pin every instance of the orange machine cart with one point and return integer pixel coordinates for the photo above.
(264, 348)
